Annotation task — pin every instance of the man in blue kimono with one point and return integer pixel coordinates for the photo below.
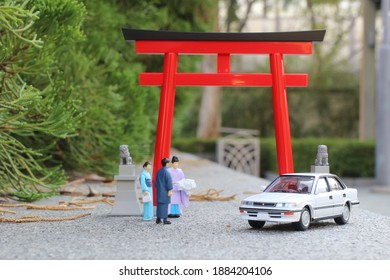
(164, 192)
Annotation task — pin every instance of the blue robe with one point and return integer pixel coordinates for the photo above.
(146, 186)
(164, 185)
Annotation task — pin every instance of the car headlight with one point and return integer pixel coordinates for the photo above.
(286, 204)
(244, 202)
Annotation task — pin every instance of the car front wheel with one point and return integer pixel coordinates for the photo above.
(304, 221)
(256, 224)
(344, 218)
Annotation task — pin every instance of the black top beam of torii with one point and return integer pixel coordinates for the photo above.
(290, 36)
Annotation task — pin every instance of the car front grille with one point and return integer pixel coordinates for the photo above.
(264, 204)
(276, 215)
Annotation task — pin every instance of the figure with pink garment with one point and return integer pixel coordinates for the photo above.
(179, 197)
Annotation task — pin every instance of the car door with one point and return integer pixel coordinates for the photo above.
(323, 200)
(338, 194)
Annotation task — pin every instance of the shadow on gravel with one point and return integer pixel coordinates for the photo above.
(290, 228)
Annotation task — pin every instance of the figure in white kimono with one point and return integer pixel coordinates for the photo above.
(179, 197)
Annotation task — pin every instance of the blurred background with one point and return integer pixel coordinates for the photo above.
(69, 91)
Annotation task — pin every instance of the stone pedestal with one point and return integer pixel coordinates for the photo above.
(126, 198)
(319, 169)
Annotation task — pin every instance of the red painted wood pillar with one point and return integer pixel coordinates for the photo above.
(223, 63)
(162, 146)
(281, 117)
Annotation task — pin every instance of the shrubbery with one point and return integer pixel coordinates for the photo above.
(347, 157)
(69, 89)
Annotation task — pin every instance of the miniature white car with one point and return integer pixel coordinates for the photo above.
(300, 198)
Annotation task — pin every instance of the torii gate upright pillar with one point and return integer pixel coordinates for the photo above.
(166, 111)
(281, 118)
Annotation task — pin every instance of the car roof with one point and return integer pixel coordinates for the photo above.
(308, 174)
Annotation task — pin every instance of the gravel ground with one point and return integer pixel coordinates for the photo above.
(207, 230)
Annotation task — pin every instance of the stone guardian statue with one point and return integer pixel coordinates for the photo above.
(124, 154)
(321, 164)
(322, 156)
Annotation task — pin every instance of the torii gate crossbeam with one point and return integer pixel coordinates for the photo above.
(274, 44)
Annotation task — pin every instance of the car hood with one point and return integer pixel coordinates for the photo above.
(278, 197)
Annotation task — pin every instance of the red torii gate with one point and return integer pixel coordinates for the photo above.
(276, 44)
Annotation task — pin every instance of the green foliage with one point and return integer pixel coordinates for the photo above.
(328, 107)
(35, 110)
(191, 15)
(268, 157)
(347, 158)
(69, 91)
(103, 75)
(195, 145)
(249, 108)
(354, 159)
(103, 70)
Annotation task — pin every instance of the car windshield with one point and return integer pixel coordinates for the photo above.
(292, 184)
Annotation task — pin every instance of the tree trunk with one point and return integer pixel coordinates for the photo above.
(209, 119)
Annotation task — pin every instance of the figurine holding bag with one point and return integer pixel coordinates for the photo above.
(145, 180)
(146, 197)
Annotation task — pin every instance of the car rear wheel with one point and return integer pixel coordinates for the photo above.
(304, 221)
(256, 224)
(344, 218)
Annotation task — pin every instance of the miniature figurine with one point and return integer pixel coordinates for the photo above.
(145, 180)
(322, 156)
(179, 197)
(164, 192)
(124, 154)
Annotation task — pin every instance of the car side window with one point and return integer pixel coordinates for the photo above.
(334, 184)
(322, 186)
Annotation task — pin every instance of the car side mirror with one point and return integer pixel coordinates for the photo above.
(262, 188)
